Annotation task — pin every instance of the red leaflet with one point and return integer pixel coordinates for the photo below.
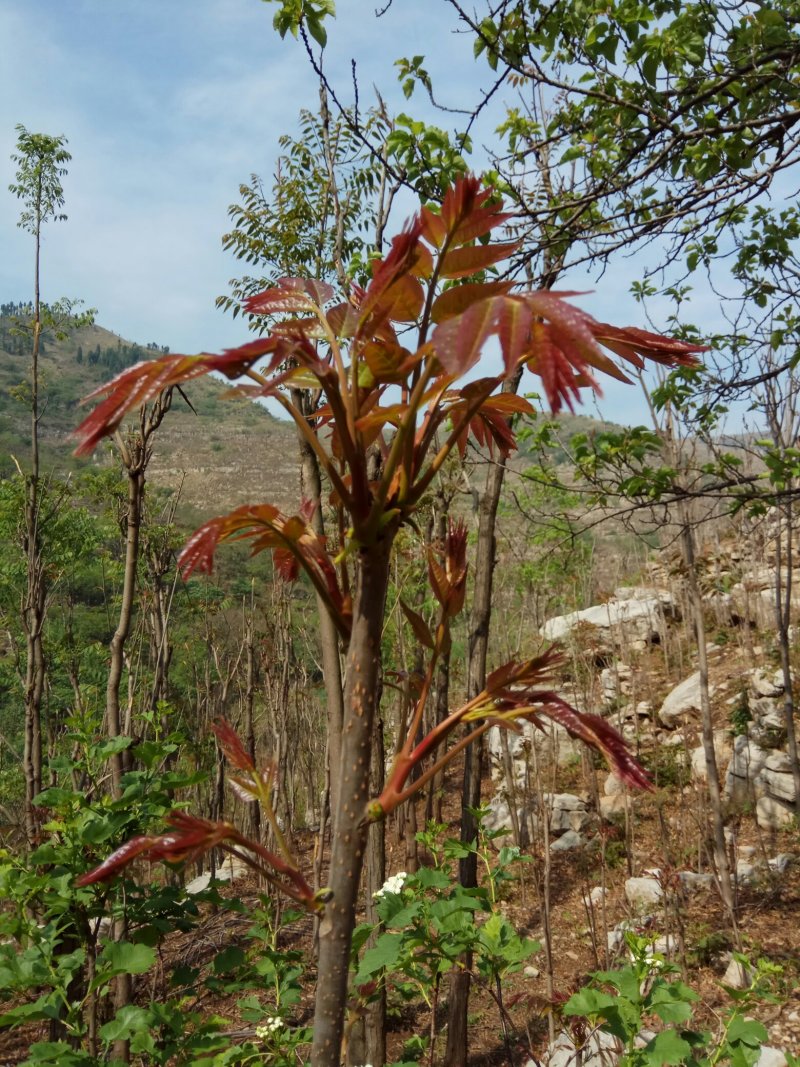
(455, 564)
(468, 211)
(599, 735)
(469, 259)
(456, 300)
(140, 383)
(448, 578)
(290, 295)
(632, 343)
(389, 281)
(459, 341)
(188, 839)
(232, 748)
(116, 861)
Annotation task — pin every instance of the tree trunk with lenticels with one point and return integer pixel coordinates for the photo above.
(349, 829)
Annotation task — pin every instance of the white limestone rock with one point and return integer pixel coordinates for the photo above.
(600, 1050)
(766, 684)
(772, 814)
(693, 882)
(643, 893)
(596, 896)
(771, 1057)
(631, 614)
(722, 750)
(775, 784)
(682, 702)
(568, 841)
(747, 760)
(736, 976)
(780, 863)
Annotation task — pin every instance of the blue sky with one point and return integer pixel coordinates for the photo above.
(168, 106)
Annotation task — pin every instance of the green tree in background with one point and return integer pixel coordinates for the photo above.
(41, 164)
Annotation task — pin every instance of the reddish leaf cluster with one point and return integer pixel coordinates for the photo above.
(540, 330)
(294, 544)
(191, 837)
(448, 578)
(512, 692)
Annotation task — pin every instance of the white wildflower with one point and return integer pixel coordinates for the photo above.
(270, 1027)
(391, 885)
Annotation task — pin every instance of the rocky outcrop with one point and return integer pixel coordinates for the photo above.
(631, 615)
(682, 702)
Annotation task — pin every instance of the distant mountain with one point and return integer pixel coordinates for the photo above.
(230, 452)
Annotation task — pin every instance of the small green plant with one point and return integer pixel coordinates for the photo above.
(741, 716)
(429, 922)
(626, 1002)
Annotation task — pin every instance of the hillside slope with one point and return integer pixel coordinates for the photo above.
(224, 453)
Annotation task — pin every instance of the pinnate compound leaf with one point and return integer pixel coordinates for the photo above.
(271, 529)
(144, 381)
(599, 735)
(290, 295)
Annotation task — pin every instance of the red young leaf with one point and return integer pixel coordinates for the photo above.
(271, 529)
(456, 300)
(632, 343)
(232, 747)
(461, 262)
(433, 228)
(389, 272)
(140, 383)
(515, 320)
(290, 294)
(459, 341)
(189, 838)
(601, 736)
(116, 861)
(468, 211)
(418, 625)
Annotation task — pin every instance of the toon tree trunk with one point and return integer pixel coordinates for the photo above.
(363, 669)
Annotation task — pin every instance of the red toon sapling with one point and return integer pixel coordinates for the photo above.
(380, 391)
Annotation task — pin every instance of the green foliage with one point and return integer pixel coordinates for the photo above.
(299, 227)
(53, 945)
(293, 15)
(428, 920)
(649, 988)
(741, 716)
(41, 161)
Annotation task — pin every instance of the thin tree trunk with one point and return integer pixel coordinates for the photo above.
(783, 616)
(34, 607)
(712, 773)
(311, 489)
(458, 1001)
(117, 647)
(349, 834)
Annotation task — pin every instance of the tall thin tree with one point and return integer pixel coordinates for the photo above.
(41, 164)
